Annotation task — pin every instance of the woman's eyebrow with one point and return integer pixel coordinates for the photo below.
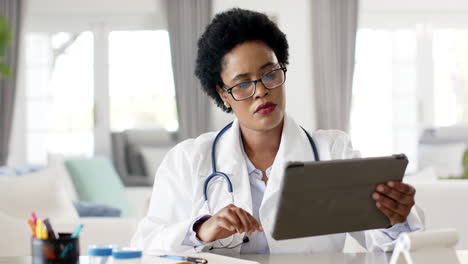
(241, 75)
(267, 64)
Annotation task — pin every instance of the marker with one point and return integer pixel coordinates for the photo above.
(77, 231)
(39, 228)
(34, 218)
(32, 227)
(50, 231)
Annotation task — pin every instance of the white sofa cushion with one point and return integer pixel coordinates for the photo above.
(58, 161)
(16, 236)
(42, 192)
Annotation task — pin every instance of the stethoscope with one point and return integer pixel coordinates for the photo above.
(216, 173)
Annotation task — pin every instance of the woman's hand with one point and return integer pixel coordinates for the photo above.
(228, 221)
(395, 200)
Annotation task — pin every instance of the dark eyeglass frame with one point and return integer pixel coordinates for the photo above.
(229, 89)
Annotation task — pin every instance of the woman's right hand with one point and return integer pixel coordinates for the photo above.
(228, 221)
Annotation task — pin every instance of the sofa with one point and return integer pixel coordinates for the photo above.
(50, 193)
(137, 153)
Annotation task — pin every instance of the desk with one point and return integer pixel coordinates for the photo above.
(277, 259)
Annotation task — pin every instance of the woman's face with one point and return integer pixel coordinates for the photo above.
(246, 62)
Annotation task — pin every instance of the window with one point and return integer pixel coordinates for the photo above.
(61, 85)
(141, 83)
(407, 79)
(450, 52)
(59, 92)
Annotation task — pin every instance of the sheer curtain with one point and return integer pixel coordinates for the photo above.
(334, 25)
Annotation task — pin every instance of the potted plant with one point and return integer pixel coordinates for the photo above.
(5, 40)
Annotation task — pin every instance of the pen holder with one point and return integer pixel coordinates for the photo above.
(64, 250)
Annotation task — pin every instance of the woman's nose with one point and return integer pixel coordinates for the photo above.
(260, 90)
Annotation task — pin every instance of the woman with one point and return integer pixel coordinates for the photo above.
(241, 63)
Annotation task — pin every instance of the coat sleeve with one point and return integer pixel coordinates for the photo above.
(377, 239)
(169, 215)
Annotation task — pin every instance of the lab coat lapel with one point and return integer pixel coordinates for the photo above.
(294, 146)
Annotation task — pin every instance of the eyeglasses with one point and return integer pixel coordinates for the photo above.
(270, 80)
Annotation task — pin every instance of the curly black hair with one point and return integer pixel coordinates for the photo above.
(227, 30)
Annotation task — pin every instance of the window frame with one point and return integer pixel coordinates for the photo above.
(100, 26)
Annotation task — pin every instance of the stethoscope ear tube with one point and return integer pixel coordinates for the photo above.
(312, 143)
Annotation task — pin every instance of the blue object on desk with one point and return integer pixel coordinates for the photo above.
(100, 251)
(126, 253)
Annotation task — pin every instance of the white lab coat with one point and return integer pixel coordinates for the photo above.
(177, 197)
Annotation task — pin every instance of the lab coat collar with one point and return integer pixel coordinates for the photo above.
(294, 146)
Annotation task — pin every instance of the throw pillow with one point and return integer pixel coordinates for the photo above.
(88, 209)
(152, 158)
(97, 181)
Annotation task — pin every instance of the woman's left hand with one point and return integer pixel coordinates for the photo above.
(395, 200)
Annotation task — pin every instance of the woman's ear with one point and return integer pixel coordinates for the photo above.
(223, 95)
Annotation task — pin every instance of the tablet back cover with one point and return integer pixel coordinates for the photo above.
(328, 197)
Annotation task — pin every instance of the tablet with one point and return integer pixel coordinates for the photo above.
(327, 197)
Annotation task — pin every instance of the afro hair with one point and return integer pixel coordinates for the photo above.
(227, 30)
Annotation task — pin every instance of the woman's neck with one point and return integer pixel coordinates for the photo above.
(261, 146)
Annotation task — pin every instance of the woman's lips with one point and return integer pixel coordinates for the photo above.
(265, 109)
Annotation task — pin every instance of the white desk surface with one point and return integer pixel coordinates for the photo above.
(275, 259)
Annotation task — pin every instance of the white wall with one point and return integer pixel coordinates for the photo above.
(56, 13)
(399, 13)
(437, 6)
(293, 18)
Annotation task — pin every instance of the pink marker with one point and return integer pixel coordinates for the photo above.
(34, 217)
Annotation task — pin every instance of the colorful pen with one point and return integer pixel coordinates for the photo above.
(191, 259)
(39, 229)
(34, 218)
(77, 231)
(32, 226)
(50, 231)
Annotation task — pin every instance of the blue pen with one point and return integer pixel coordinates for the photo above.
(70, 245)
(191, 259)
(77, 231)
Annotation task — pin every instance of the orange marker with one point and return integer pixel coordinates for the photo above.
(32, 227)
